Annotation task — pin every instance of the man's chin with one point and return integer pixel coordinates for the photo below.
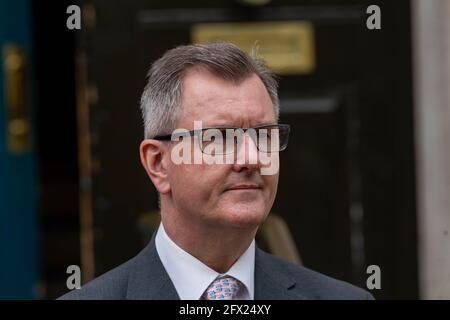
(244, 218)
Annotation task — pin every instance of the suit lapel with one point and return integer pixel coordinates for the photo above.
(271, 280)
(148, 278)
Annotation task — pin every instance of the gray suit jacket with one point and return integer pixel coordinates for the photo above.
(144, 277)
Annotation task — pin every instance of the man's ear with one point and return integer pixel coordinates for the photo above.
(154, 159)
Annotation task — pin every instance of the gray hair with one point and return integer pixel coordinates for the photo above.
(161, 99)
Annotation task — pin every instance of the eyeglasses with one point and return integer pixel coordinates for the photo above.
(218, 141)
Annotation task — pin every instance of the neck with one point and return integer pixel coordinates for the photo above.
(217, 247)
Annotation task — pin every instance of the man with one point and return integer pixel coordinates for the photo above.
(214, 187)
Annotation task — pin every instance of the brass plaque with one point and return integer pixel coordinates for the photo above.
(286, 47)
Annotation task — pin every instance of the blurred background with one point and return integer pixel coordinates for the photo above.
(365, 179)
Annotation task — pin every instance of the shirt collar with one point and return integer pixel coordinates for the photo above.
(191, 277)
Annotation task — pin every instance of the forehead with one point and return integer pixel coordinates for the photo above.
(217, 101)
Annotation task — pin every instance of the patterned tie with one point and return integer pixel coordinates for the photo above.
(223, 288)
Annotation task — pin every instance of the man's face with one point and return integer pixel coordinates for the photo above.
(235, 195)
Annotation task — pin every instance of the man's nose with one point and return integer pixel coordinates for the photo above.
(247, 154)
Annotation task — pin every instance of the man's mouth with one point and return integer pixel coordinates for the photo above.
(243, 187)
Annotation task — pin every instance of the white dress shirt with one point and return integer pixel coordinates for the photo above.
(191, 277)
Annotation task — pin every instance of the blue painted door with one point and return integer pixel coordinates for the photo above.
(18, 178)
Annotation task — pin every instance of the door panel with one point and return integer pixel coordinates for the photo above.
(18, 183)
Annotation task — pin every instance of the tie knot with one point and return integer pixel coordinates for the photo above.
(223, 288)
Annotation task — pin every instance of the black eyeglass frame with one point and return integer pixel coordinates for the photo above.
(192, 133)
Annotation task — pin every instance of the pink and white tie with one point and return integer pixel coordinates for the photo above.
(223, 288)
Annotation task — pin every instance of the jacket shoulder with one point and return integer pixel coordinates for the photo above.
(111, 285)
(315, 285)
